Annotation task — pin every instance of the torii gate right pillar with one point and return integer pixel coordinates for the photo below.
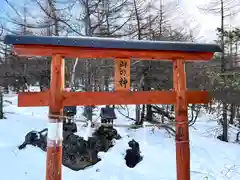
(181, 113)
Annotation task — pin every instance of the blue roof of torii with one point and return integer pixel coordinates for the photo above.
(111, 43)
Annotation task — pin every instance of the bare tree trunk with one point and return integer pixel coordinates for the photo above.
(161, 18)
(139, 115)
(88, 31)
(147, 87)
(233, 113)
(73, 75)
(139, 33)
(1, 104)
(54, 15)
(138, 20)
(238, 116)
(149, 112)
(88, 109)
(223, 69)
(143, 114)
(106, 85)
(5, 82)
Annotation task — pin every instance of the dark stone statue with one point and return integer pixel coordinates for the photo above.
(133, 156)
(35, 138)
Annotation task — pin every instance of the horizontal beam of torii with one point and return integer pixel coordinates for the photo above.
(122, 52)
(108, 98)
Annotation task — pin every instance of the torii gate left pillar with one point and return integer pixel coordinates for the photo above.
(55, 127)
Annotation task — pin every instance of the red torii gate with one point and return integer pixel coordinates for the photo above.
(56, 98)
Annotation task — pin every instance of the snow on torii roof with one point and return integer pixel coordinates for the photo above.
(111, 43)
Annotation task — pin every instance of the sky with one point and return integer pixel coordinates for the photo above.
(207, 22)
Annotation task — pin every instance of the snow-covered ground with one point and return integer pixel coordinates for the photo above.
(211, 159)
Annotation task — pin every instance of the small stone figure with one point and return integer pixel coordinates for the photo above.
(35, 138)
(105, 136)
(109, 132)
(68, 124)
(133, 156)
(107, 115)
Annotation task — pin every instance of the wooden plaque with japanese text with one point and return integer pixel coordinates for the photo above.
(122, 75)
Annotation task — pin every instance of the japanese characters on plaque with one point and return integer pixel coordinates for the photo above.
(122, 74)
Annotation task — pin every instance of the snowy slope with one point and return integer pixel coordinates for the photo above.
(211, 159)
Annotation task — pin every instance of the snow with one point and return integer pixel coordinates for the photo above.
(211, 159)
